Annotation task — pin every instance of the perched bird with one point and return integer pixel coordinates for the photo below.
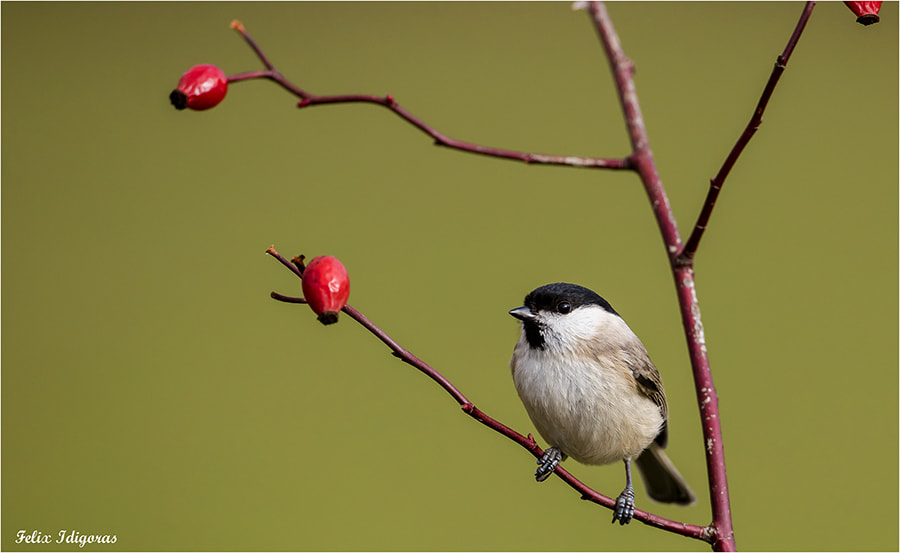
(592, 392)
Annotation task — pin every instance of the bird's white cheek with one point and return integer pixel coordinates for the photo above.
(586, 331)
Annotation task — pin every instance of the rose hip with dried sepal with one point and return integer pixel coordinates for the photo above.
(201, 87)
(326, 287)
(866, 12)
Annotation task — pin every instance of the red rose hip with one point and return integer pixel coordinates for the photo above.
(201, 87)
(326, 287)
(866, 12)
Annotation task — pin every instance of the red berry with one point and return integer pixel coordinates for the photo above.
(866, 12)
(326, 287)
(201, 87)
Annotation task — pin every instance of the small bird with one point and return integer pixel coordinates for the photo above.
(592, 392)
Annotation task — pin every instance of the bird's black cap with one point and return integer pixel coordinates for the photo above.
(550, 296)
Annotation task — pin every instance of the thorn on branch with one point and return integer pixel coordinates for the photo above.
(389, 100)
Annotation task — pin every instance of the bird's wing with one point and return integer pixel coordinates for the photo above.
(649, 383)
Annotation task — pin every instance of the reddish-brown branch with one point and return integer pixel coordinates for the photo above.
(308, 99)
(441, 139)
(722, 532)
(641, 157)
(686, 256)
(698, 532)
(239, 27)
(271, 75)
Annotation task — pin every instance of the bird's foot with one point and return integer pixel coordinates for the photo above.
(547, 463)
(624, 506)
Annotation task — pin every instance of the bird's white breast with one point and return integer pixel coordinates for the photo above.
(579, 390)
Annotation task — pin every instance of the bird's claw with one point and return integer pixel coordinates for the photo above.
(547, 463)
(624, 506)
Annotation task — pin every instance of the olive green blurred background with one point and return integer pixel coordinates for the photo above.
(152, 390)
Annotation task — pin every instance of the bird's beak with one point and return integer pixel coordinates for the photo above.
(522, 313)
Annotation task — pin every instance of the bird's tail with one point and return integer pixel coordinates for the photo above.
(663, 481)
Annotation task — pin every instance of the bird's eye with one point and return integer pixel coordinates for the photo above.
(564, 307)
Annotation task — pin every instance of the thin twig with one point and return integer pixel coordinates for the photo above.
(271, 75)
(396, 348)
(715, 184)
(286, 299)
(698, 532)
(308, 99)
(274, 253)
(441, 139)
(239, 27)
